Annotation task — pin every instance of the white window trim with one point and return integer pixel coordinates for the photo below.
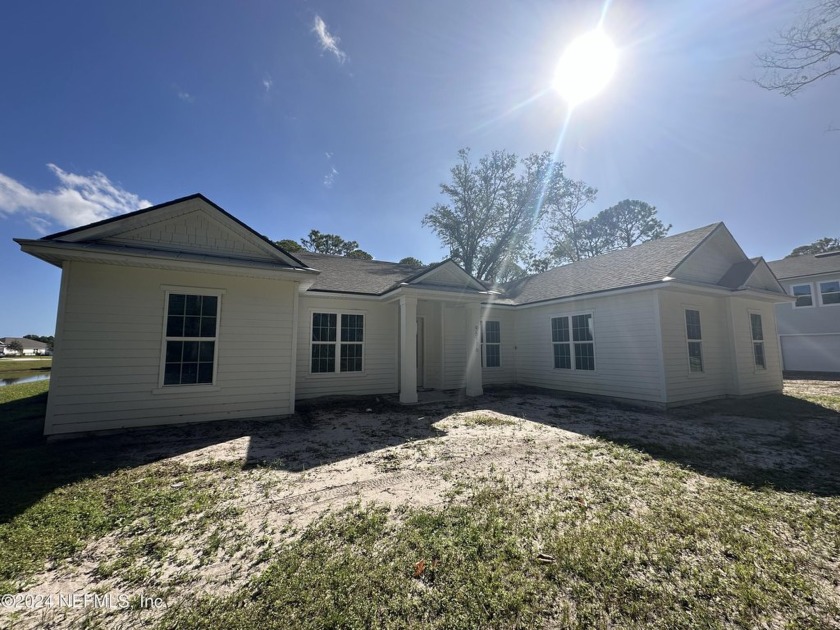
(338, 313)
(756, 367)
(692, 373)
(485, 343)
(573, 369)
(813, 294)
(198, 387)
(818, 284)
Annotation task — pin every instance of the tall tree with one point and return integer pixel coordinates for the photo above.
(804, 53)
(493, 208)
(570, 238)
(360, 254)
(631, 221)
(821, 246)
(289, 245)
(411, 261)
(322, 243)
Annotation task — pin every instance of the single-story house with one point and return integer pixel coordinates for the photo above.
(809, 327)
(182, 313)
(31, 348)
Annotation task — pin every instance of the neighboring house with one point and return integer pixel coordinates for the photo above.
(31, 348)
(181, 313)
(809, 328)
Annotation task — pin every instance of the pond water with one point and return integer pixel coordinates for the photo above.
(16, 378)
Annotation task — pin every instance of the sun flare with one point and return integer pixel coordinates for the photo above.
(585, 68)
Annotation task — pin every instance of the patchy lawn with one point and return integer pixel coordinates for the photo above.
(518, 509)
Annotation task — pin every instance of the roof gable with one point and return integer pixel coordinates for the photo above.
(192, 224)
(751, 274)
(712, 258)
(642, 264)
(446, 274)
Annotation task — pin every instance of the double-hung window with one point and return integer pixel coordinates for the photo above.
(694, 337)
(757, 340)
(491, 344)
(803, 295)
(573, 341)
(337, 342)
(830, 292)
(192, 323)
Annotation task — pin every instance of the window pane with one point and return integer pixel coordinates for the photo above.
(830, 292)
(758, 352)
(562, 356)
(189, 373)
(205, 350)
(209, 305)
(172, 374)
(695, 356)
(190, 351)
(492, 355)
(175, 326)
(352, 328)
(176, 304)
(803, 295)
(208, 327)
(560, 329)
(323, 326)
(582, 328)
(692, 324)
(192, 326)
(193, 305)
(755, 325)
(584, 356)
(323, 357)
(351, 357)
(492, 332)
(173, 351)
(205, 373)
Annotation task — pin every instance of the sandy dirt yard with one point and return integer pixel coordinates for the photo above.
(273, 478)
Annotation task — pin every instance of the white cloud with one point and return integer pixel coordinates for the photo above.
(184, 95)
(328, 41)
(78, 200)
(267, 83)
(329, 178)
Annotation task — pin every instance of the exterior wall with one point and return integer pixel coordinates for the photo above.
(810, 336)
(107, 369)
(682, 385)
(750, 378)
(627, 354)
(380, 354)
(454, 347)
(505, 374)
(710, 262)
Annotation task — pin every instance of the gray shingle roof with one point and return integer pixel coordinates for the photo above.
(642, 264)
(352, 275)
(811, 265)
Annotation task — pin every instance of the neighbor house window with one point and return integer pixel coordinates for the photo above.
(192, 323)
(757, 339)
(337, 342)
(573, 341)
(694, 337)
(802, 293)
(830, 292)
(491, 340)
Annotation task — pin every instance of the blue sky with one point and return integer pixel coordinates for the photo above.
(346, 117)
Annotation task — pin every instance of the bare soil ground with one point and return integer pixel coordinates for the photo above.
(272, 479)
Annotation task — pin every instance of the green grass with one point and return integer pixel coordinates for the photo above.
(24, 365)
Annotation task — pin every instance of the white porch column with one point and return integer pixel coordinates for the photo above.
(472, 380)
(408, 349)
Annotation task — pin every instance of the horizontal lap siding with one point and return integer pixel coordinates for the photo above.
(626, 348)
(715, 380)
(505, 374)
(751, 379)
(380, 350)
(108, 368)
(454, 347)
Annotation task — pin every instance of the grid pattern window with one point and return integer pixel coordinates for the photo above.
(694, 335)
(830, 292)
(337, 342)
(758, 340)
(802, 293)
(191, 332)
(491, 344)
(573, 341)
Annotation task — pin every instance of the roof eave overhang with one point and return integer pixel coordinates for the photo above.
(57, 253)
(444, 295)
(711, 289)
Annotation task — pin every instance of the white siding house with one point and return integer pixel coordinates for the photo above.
(809, 327)
(181, 313)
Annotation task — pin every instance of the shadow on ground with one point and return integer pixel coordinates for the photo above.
(776, 441)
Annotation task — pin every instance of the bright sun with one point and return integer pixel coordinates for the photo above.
(585, 67)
